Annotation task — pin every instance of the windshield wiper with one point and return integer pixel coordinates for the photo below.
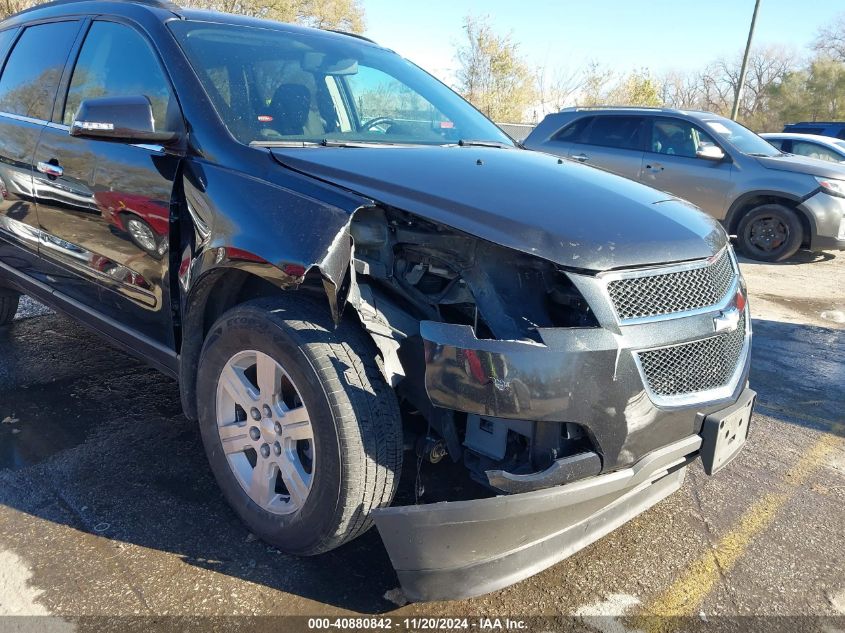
(482, 143)
(284, 144)
(330, 142)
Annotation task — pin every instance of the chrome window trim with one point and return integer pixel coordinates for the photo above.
(606, 278)
(710, 396)
(25, 119)
(146, 146)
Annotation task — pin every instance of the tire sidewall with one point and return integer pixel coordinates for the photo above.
(789, 248)
(254, 329)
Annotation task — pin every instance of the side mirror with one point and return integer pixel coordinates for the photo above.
(710, 152)
(125, 119)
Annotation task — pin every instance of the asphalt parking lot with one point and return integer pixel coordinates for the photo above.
(107, 506)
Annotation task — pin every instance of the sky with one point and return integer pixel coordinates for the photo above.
(623, 34)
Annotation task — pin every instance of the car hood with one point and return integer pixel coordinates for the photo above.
(575, 216)
(803, 165)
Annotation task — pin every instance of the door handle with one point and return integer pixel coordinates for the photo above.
(51, 169)
(581, 158)
(654, 168)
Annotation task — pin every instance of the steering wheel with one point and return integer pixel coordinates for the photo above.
(368, 125)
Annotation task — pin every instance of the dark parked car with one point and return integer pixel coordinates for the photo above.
(345, 237)
(773, 202)
(834, 129)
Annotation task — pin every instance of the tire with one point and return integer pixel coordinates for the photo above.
(9, 300)
(355, 444)
(770, 233)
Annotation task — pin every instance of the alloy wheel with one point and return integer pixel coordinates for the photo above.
(266, 433)
(142, 235)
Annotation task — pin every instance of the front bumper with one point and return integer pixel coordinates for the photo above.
(643, 438)
(827, 216)
(587, 376)
(447, 551)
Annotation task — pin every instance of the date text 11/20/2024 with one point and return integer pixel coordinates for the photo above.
(418, 624)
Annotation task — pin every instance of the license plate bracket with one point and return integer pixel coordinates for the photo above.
(725, 432)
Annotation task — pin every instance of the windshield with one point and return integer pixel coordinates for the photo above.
(272, 86)
(742, 138)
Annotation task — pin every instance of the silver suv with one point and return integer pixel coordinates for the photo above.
(774, 203)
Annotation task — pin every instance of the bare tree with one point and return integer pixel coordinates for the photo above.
(681, 90)
(558, 88)
(10, 7)
(492, 74)
(596, 84)
(830, 40)
(768, 67)
(346, 15)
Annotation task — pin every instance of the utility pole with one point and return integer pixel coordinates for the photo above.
(741, 83)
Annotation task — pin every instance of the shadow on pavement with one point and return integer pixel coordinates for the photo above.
(799, 373)
(800, 258)
(95, 440)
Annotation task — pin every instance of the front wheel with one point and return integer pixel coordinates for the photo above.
(301, 430)
(9, 300)
(770, 233)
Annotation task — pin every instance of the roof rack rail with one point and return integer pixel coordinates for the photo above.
(351, 34)
(163, 4)
(614, 107)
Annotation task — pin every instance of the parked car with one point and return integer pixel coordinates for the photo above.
(146, 222)
(347, 234)
(774, 203)
(809, 145)
(835, 129)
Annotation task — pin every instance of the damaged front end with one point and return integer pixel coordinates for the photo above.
(540, 380)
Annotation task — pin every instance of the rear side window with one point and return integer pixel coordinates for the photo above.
(116, 61)
(676, 137)
(814, 150)
(623, 132)
(6, 39)
(573, 132)
(31, 77)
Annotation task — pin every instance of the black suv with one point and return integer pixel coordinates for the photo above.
(340, 260)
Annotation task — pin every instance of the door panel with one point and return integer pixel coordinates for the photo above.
(18, 220)
(104, 206)
(623, 162)
(105, 224)
(671, 165)
(613, 143)
(27, 91)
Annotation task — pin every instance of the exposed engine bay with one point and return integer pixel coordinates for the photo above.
(408, 270)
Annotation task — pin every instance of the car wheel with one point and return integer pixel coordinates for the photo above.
(142, 235)
(770, 233)
(302, 432)
(9, 300)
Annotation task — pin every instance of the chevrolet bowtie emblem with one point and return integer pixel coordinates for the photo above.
(728, 320)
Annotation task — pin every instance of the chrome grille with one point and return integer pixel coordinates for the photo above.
(666, 293)
(694, 367)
